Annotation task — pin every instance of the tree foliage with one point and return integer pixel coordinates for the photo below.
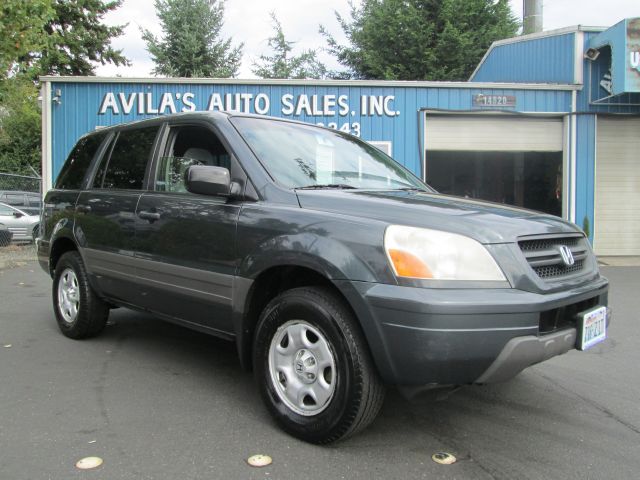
(419, 39)
(75, 36)
(191, 45)
(20, 133)
(21, 30)
(38, 37)
(281, 64)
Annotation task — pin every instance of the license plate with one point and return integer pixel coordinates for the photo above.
(592, 328)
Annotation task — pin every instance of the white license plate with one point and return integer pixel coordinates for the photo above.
(592, 328)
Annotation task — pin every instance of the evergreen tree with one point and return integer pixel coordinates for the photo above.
(191, 45)
(76, 37)
(20, 131)
(21, 30)
(419, 39)
(282, 64)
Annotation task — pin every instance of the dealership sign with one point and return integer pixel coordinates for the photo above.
(288, 104)
(619, 61)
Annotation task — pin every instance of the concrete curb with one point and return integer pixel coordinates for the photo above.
(626, 261)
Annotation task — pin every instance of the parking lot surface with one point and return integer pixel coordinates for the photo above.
(156, 401)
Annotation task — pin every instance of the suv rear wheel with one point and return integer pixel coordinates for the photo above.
(313, 366)
(80, 313)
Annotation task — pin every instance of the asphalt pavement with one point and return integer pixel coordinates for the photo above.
(156, 401)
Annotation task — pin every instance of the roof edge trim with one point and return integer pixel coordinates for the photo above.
(342, 83)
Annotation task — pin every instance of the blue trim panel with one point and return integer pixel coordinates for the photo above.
(585, 169)
(539, 60)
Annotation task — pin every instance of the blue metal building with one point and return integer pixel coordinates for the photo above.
(534, 126)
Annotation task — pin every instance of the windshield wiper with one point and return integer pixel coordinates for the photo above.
(327, 186)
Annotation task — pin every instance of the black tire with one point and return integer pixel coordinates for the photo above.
(91, 311)
(358, 393)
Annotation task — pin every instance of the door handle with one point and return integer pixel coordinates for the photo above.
(83, 208)
(151, 216)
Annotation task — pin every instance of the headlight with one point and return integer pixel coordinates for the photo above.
(432, 254)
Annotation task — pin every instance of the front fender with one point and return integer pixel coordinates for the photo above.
(339, 247)
(326, 256)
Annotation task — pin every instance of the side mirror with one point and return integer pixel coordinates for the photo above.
(18, 214)
(208, 180)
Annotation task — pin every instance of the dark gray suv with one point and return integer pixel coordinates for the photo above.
(333, 269)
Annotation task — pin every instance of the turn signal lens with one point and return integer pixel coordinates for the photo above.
(407, 265)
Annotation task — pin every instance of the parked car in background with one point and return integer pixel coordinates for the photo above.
(23, 225)
(5, 236)
(28, 202)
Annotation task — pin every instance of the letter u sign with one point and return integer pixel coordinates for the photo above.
(634, 59)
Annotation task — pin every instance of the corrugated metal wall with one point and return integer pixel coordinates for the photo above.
(79, 110)
(585, 168)
(539, 60)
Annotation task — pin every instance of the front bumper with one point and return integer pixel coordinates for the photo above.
(422, 337)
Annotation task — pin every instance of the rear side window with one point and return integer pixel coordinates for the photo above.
(34, 201)
(17, 200)
(129, 158)
(75, 168)
(6, 211)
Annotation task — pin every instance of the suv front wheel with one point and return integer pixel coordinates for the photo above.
(313, 366)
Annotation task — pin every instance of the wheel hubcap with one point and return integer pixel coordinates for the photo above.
(302, 367)
(68, 295)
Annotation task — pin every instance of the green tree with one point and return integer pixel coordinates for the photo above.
(281, 64)
(74, 38)
(419, 39)
(19, 126)
(21, 30)
(191, 45)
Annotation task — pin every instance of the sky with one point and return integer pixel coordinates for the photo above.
(248, 22)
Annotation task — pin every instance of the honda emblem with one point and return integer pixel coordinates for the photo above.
(567, 255)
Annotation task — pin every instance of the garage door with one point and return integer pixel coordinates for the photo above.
(511, 159)
(617, 199)
(493, 133)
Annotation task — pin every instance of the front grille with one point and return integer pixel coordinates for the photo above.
(545, 258)
(550, 271)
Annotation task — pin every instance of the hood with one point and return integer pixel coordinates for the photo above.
(485, 222)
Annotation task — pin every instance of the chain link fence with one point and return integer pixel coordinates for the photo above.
(23, 183)
(22, 192)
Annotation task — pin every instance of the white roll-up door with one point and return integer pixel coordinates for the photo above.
(493, 133)
(617, 197)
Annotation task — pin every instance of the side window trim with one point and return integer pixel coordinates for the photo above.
(104, 158)
(159, 144)
(162, 141)
(97, 160)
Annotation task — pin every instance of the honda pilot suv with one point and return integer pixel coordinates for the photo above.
(334, 270)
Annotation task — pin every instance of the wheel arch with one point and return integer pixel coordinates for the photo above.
(59, 247)
(252, 295)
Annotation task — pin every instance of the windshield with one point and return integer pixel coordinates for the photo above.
(301, 156)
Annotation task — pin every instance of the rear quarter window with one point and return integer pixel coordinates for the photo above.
(77, 164)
